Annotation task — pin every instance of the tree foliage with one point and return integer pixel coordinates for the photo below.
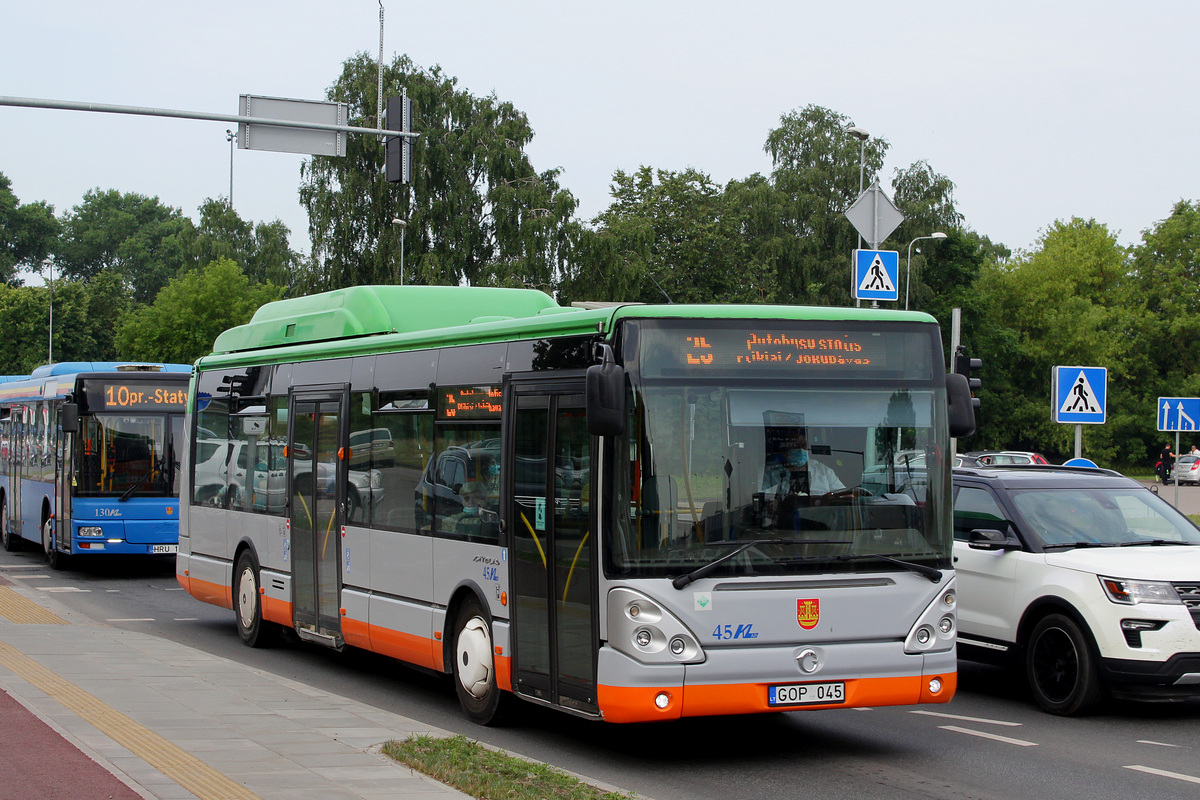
(27, 234)
(191, 310)
(477, 210)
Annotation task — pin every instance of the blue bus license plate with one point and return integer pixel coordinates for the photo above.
(806, 694)
(164, 548)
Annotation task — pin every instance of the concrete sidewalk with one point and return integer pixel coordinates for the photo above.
(171, 722)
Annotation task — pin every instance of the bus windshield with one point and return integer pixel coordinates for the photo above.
(815, 468)
(135, 454)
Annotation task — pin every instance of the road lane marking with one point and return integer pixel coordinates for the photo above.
(132, 619)
(186, 619)
(1179, 776)
(191, 773)
(61, 589)
(969, 719)
(984, 735)
(1157, 744)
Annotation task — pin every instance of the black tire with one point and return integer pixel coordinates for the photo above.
(11, 541)
(54, 558)
(1060, 665)
(253, 630)
(475, 666)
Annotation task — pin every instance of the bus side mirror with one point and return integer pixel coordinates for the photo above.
(960, 411)
(605, 398)
(70, 418)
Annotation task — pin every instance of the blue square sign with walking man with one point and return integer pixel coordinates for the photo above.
(1080, 395)
(876, 275)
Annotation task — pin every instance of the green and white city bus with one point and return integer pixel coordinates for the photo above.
(627, 512)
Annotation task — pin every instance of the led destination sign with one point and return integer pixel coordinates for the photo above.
(774, 348)
(134, 396)
(779, 348)
(469, 402)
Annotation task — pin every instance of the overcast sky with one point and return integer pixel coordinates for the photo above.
(1037, 111)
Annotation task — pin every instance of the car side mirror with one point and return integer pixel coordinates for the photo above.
(991, 539)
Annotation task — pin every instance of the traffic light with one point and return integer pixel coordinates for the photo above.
(399, 149)
(964, 365)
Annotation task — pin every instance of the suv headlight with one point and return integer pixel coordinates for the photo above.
(1130, 593)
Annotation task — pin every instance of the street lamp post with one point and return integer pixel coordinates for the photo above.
(401, 224)
(229, 135)
(908, 267)
(862, 136)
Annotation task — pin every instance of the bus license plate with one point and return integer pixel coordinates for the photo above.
(806, 694)
(164, 548)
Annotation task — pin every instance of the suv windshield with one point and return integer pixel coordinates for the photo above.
(1072, 517)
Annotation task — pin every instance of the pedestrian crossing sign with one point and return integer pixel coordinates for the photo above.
(876, 275)
(1080, 395)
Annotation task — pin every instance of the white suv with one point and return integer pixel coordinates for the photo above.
(1083, 578)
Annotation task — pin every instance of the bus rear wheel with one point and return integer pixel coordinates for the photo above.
(10, 541)
(475, 666)
(247, 602)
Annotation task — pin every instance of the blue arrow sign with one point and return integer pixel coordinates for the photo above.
(1179, 413)
(876, 275)
(1080, 395)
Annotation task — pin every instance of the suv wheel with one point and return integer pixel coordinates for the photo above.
(1060, 665)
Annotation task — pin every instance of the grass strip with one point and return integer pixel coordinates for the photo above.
(486, 774)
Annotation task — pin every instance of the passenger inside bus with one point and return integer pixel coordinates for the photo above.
(476, 522)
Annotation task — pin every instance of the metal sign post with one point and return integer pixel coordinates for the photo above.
(1178, 414)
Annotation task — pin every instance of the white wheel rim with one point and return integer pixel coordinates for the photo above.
(246, 592)
(474, 657)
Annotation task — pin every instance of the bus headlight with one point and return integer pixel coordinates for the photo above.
(91, 530)
(643, 629)
(936, 628)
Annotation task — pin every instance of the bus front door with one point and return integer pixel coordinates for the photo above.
(552, 546)
(317, 490)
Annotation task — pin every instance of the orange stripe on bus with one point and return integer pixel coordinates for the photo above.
(356, 633)
(408, 647)
(636, 704)
(210, 592)
(503, 672)
(276, 610)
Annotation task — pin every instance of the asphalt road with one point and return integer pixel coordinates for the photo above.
(989, 743)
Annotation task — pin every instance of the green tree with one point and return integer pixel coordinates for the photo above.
(84, 317)
(1063, 303)
(191, 310)
(816, 169)
(477, 210)
(27, 233)
(681, 234)
(261, 249)
(137, 238)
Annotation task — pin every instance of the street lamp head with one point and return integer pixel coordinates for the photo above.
(937, 235)
(399, 222)
(858, 133)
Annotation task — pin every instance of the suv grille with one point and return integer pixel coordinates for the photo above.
(1189, 593)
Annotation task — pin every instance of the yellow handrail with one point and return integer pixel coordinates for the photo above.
(535, 538)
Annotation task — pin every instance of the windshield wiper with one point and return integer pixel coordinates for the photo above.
(135, 485)
(1150, 543)
(933, 573)
(1074, 545)
(707, 569)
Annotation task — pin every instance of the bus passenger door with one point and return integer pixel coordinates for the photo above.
(316, 496)
(552, 546)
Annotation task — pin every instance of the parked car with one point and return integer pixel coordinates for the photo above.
(227, 476)
(1187, 469)
(372, 448)
(1082, 578)
(998, 458)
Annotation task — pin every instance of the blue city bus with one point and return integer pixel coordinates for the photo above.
(89, 459)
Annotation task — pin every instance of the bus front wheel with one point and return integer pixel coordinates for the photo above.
(247, 602)
(475, 665)
(55, 559)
